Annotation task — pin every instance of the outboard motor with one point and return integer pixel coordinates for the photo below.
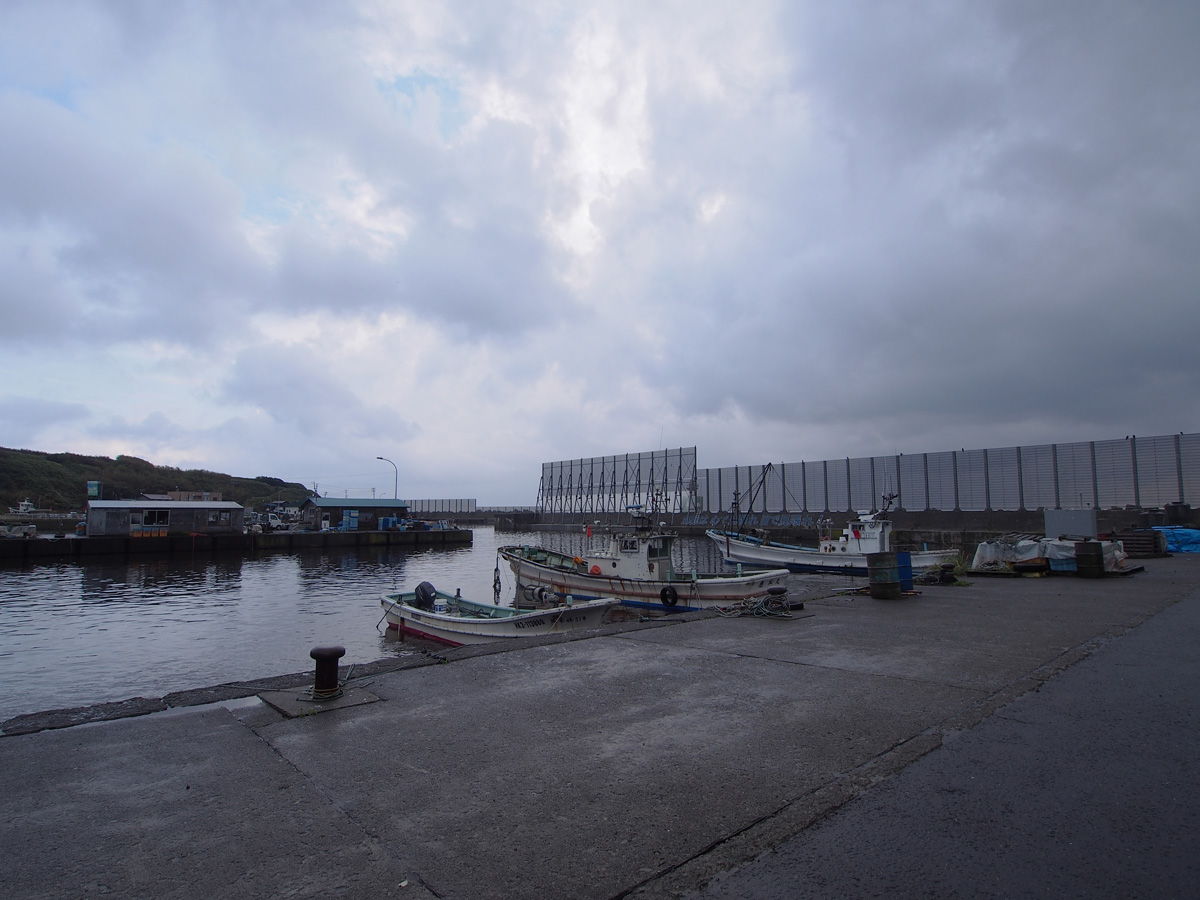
(424, 595)
(537, 594)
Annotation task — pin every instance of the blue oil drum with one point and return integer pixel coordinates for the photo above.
(904, 569)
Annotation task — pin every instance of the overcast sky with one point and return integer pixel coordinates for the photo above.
(286, 238)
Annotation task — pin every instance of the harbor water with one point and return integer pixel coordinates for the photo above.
(76, 634)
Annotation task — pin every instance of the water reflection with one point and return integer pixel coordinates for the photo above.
(77, 634)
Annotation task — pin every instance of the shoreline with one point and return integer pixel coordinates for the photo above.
(427, 654)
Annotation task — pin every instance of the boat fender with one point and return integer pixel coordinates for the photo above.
(423, 596)
(595, 570)
(668, 596)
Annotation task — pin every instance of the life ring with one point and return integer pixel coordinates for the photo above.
(595, 570)
(668, 596)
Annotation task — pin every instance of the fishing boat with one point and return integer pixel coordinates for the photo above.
(635, 566)
(844, 554)
(452, 619)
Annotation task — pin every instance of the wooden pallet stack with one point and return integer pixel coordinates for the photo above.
(1142, 543)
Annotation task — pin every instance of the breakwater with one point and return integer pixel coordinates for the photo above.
(40, 549)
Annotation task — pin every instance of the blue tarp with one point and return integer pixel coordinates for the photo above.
(1180, 540)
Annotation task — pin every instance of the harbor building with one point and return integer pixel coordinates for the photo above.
(351, 513)
(163, 518)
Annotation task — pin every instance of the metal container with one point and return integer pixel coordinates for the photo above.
(883, 576)
(1089, 559)
(904, 569)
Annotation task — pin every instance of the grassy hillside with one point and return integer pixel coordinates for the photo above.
(58, 481)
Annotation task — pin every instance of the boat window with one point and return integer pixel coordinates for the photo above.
(658, 550)
(629, 545)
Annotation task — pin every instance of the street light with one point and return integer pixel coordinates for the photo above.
(386, 460)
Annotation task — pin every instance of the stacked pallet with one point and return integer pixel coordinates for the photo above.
(1142, 543)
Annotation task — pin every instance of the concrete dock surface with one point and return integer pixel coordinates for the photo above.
(1026, 737)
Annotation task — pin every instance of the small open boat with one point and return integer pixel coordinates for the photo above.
(452, 619)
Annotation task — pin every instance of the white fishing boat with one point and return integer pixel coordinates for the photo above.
(844, 554)
(452, 619)
(637, 567)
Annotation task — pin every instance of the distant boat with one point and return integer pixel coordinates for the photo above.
(845, 554)
(452, 619)
(26, 508)
(636, 566)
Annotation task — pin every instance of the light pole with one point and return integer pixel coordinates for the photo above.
(386, 460)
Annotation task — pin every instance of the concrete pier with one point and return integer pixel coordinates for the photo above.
(862, 747)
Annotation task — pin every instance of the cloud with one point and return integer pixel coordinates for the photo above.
(21, 418)
(476, 238)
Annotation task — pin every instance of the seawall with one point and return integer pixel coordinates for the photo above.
(18, 550)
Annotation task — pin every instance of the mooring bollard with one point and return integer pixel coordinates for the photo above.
(326, 687)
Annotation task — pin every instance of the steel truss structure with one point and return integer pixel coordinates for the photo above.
(662, 479)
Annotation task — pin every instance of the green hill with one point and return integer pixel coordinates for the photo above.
(58, 481)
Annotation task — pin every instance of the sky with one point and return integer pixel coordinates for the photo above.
(289, 238)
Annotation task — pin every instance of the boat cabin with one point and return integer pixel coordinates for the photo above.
(637, 554)
(866, 534)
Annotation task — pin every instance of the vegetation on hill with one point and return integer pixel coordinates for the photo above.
(58, 481)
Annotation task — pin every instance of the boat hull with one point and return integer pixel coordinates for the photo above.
(457, 631)
(677, 595)
(810, 559)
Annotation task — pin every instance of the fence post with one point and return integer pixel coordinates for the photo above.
(1137, 491)
(954, 472)
(925, 465)
(1179, 466)
(1020, 483)
(1054, 459)
(987, 484)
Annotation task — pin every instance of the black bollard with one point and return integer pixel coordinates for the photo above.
(326, 685)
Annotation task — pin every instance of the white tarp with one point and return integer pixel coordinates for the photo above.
(1028, 551)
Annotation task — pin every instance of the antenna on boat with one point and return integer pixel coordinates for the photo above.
(762, 480)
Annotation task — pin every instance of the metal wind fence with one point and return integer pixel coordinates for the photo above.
(449, 507)
(1133, 472)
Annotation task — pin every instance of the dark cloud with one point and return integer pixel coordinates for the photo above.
(799, 231)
